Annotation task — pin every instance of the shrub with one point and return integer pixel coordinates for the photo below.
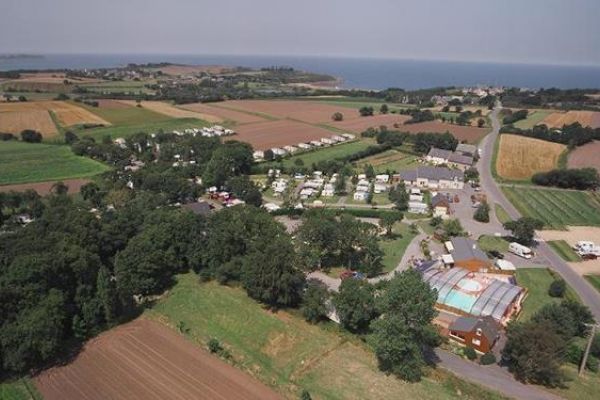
(214, 346)
(305, 395)
(557, 288)
(574, 354)
(592, 364)
(482, 214)
(470, 353)
(488, 359)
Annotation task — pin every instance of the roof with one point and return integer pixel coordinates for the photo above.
(438, 199)
(458, 158)
(201, 208)
(467, 249)
(439, 153)
(466, 148)
(489, 327)
(474, 294)
(432, 173)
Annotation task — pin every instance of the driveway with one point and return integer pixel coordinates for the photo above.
(586, 292)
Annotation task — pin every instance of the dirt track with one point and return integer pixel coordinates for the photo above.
(43, 188)
(146, 360)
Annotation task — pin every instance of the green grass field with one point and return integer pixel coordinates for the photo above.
(149, 127)
(391, 160)
(118, 87)
(126, 116)
(328, 153)
(556, 208)
(492, 243)
(395, 248)
(537, 281)
(564, 250)
(22, 389)
(501, 214)
(285, 352)
(26, 162)
(534, 118)
(594, 280)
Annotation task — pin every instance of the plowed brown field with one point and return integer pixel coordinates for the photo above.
(172, 111)
(223, 113)
(265, 135)
(312, 112)
(43, 188)
(148, 361)
(470, 134)
(361, 124)
(586, 156)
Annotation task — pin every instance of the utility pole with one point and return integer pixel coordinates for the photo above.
(587, 348)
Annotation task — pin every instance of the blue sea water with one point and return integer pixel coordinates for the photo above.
(364, 73)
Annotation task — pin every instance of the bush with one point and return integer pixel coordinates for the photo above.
(488, 359)
(305, 395)
(592, 364)
(470, 353)
(214, 346)
(31, 136)
(557, 288)
(482, 214)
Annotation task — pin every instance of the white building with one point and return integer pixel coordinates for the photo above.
(416, 207)
(361, 196)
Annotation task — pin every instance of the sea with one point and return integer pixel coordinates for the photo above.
(360, 73)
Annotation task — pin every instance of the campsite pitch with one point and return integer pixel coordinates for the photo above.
(146, 360)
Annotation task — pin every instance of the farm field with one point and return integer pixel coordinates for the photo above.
(585, 118)
(357, 103)
(328, 153)
(170, 110)
(469, 134)
(44, 188)
(17, 121)
(281, 349)
(358, 124)
(22, 389)
(520, 157)
(537, 281)
(535, 117)
(25, 162)
(146, 360)
(124, 131)
(564, 250)
(391, 160)
(222, 113)
(265, 135)
(305, 111)
(556, 208)
(119, 113)
(128, 87)
(586, 156)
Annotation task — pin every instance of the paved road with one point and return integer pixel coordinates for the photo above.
(586, 292)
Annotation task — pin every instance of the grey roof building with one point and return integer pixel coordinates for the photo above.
(454, 157)
(433, 174)
(465, 148)
(467, 249)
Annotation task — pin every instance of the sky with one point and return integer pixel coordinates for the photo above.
(512, 31)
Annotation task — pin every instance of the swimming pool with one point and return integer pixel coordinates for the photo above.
(461, 301)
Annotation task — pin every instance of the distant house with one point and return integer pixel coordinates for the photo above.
(440, 205)
(478, 333)
(433, 178)
(467, 254)
(327, 141)
(452, 158)
(198, 208)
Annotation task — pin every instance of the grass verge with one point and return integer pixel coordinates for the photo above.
(564, 250)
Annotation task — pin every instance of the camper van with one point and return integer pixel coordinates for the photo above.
(520, 250)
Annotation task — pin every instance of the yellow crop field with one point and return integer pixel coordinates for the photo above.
(39, 120)
(520, 157)
(585, 118)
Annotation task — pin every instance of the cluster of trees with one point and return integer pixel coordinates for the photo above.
(523, 229)
(482, 214)
(580, 179)
(549, 98)
(424, 141)
(366, 111)
(6, 136)
(31, 136)
(417, 115)
(326, 241)
(572, 135)
(512, 117)
(536, 349)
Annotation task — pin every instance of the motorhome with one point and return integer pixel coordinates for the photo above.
(520, 250)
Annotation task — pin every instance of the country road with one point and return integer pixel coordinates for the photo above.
(589, 296)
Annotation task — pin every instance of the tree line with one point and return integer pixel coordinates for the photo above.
(575, 178)
(572, 135)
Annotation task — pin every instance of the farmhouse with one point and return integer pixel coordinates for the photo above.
(440, 205)
(478, 333)
(473, 294)
(466, 254)
(455, 159)
(432, 178)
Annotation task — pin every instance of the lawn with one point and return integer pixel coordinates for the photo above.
(501, 214)
(594, 280)
(537, 281)
(492, 243)
(564, 250)
(166, 125)
(395, 247)
(533, 118)
(127, 115)
(285, 352)
(579, 388)
(357, 104)
(21, 389)
(328, 153)
(391, 160)
(556, 208)
(26, 162)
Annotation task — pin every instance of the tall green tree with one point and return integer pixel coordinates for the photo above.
(399, 196)
(314, 301)
(523, 229)
(355, 304)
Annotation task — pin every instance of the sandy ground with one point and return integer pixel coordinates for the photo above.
(572, 236)
(146, 360)
(43, 188)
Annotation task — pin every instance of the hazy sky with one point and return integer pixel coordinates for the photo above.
(530, 31)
